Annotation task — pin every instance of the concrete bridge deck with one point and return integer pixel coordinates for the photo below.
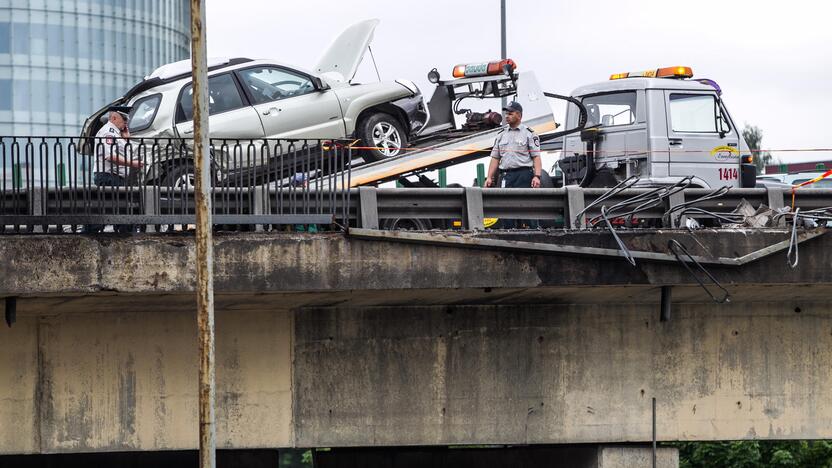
(327, 340)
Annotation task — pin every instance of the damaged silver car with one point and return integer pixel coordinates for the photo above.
(256, 99)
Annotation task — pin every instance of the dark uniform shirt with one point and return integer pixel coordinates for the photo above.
(516, 147)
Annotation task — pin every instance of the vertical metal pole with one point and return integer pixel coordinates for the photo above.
(503, 51)
(480, 175)
(443, 177)
(654, 432)
(204, 245)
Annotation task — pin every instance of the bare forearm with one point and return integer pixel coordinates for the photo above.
(492, 171)
(538, 166)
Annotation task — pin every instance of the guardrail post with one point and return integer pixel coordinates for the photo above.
(675, 200)
(35, 207)
(775, 201)
(574, 205)
(150, 199)
(261, 203)
(367, 207)
(473, 208)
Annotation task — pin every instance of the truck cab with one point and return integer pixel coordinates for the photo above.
(659, 125)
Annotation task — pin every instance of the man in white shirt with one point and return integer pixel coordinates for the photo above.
(113, 163)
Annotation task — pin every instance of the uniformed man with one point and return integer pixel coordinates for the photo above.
(516, 154)
(113, 163)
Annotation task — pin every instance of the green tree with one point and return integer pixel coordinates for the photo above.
(754, 137)
(756, 454)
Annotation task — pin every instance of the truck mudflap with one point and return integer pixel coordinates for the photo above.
(748, 175)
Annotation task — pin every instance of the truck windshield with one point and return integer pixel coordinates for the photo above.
(611, 109)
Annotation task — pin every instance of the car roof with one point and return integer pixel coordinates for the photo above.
(628, 84)
(180, 71)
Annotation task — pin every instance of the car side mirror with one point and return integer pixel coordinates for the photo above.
(320, 85)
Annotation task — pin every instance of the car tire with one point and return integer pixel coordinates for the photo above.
(379, 131)
(180, 175)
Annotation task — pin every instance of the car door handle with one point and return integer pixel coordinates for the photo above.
(675, 142)
(732, 144)
(271, 110)
(189, 131)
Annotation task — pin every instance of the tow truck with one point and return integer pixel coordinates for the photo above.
(659, 125)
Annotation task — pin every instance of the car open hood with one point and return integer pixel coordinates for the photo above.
(347, 51)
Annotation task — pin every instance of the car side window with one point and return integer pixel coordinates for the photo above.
(223, 96)
(266, 84)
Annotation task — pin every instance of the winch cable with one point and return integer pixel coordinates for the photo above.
(675, 247)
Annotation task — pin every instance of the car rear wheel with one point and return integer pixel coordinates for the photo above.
(383, 135)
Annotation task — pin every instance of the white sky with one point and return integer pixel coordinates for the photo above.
(773, 59)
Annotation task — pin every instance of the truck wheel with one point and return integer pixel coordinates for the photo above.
(384, 134)
(406, 224)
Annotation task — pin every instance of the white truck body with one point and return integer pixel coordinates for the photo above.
(661, 130)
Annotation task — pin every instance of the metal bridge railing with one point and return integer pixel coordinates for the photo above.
(56, 184)
(571, 207)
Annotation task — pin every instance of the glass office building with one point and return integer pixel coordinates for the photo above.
(61, 60)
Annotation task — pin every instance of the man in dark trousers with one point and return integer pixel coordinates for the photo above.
(113, 161)
(516, 155)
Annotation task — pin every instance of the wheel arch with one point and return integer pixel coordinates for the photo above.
(383, 108)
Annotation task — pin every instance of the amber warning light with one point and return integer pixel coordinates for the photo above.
(468, 70)
(667, 72)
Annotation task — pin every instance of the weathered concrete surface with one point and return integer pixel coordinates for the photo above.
(81, 382)
(634, 456)
(282, 262)
(561, 374)
(318, 344)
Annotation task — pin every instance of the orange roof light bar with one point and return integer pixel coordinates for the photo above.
(468, 70)
(674, 72)
(667, 72)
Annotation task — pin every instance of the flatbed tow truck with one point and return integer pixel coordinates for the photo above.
(442, 144)
(659, 126)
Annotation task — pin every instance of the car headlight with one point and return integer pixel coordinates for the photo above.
(409, 85)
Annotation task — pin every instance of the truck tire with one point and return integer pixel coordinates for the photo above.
(384, 134)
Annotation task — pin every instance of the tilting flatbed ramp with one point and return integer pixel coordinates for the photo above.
(451, 148)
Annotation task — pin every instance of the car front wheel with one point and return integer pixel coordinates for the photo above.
(383, 137)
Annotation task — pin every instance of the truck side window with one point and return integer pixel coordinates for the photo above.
(611, 110)
(694, 113)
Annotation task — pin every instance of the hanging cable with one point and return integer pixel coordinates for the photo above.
(675, 248)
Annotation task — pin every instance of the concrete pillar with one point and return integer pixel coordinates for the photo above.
(627, 456)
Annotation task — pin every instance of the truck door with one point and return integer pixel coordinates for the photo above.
(701, 141)
(623, 134)
(290, 106)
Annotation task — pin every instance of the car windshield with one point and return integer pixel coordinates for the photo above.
(143, 112)
(270, 84)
